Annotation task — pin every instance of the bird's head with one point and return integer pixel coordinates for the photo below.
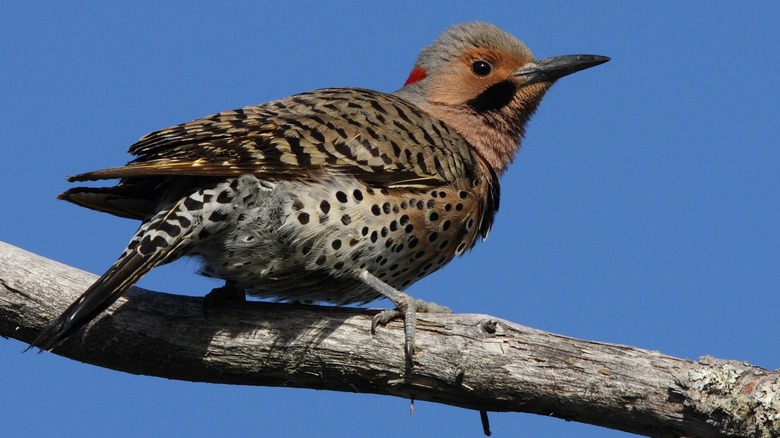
(486, 85)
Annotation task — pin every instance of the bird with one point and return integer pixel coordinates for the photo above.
(337, 195)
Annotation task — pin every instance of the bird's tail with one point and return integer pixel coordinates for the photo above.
(107, 289)
(155, 243)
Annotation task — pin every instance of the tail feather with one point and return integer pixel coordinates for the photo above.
(156, 242)
(104, 292)
(133, 200)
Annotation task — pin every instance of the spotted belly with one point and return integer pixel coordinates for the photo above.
(302, 241)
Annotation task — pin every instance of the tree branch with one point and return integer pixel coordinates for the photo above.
(472, 361)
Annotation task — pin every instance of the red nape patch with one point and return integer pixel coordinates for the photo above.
(416, 75)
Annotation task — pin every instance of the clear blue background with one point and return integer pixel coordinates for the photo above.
(643, 208)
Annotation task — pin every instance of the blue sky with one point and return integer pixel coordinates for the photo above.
(643, 208)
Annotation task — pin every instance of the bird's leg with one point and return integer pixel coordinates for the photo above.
(406, 308)
(220, 295)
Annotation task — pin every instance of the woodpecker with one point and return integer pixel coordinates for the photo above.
(337, 195)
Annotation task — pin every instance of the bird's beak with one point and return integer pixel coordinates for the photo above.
(551, 69)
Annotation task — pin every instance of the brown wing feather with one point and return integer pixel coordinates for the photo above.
(375, 137)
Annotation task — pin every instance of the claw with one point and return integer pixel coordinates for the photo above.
(383, 317)
(406, 308)
(409, 315)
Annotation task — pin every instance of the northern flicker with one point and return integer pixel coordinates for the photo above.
(340, 195)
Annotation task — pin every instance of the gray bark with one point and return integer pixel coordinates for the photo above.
(471, 361)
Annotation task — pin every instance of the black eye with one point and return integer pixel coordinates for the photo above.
(481, 68)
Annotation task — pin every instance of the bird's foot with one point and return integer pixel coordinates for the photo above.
(220, 295)
(406, 308)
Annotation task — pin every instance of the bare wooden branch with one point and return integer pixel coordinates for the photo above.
(472, 361)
